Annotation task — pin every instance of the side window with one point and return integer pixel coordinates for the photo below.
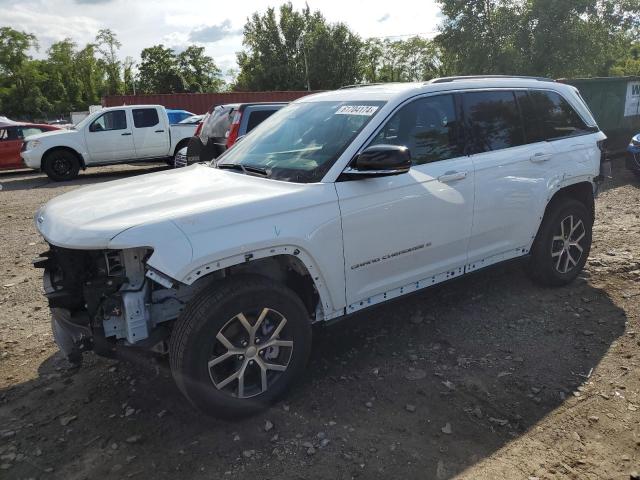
(28, 131)
(530, 121)
(428, 127)
(257, 117)
(558, 117)
(113, 120)
(493, 120)
(9, 133)
(145, 117)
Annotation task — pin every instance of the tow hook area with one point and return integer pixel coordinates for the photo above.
(72, 338)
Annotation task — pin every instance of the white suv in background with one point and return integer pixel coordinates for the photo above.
(338, 202)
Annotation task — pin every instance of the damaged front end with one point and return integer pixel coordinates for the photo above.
(105, 299)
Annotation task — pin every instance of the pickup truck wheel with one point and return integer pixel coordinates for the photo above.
(239, 345)
(562, 245)
(61, 165)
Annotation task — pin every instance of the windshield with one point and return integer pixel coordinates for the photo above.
(302, 141)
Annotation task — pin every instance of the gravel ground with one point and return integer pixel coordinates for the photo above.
(486, 377)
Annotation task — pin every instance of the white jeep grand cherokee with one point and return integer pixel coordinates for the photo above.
(338, 202)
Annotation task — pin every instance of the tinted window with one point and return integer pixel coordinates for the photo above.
(493, 120)
(145, 117)
(428, 127)
(257, 117)
(530, 121)
(557, 117)
(114, 120)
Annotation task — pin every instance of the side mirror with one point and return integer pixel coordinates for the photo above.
(380, 161)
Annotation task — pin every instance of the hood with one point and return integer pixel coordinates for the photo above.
(51, 133)
(91, 216)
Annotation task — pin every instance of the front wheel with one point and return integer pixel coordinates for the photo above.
(61, 165)
(237, 347)
(562, 245)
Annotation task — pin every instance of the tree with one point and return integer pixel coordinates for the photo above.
(410, 60)
(20, 77)
(537, 37)
(160, 71)
(128, 77)
(107, 44)
(276, 46)
(91, 74)
(199, 72)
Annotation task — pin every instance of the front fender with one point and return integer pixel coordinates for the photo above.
(171, 248)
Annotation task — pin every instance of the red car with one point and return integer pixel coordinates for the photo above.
(12, 135)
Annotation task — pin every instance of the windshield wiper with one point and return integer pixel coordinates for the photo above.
(247, 170)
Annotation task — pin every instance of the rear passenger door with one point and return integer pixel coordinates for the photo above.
(513, 166)
(150, 135)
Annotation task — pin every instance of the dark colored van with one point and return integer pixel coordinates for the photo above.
(221, 127)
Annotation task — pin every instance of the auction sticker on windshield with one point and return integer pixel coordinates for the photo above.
(366, 110)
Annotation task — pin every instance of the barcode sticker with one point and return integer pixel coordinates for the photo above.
(366, 110)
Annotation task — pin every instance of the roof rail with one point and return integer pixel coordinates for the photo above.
(358, 85)
(480, 77)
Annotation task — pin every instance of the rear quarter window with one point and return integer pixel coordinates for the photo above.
(256, 117)
(557, 117)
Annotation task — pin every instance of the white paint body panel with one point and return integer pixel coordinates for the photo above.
(99, 148)
(382, 217)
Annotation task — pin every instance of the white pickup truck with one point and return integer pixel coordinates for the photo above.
(112, 135)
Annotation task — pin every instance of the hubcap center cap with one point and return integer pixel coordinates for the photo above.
(251, 352)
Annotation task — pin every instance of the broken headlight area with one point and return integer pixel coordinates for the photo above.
(104, 298)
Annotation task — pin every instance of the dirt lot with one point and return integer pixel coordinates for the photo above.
(486, 377)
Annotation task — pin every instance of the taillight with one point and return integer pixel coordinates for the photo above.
(199, 127)
(232, 133)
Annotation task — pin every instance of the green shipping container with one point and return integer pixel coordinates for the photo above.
(615, 103)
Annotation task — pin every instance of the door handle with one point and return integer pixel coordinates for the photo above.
(540, 157)
(125, 134)
(452, 176)
(159, 131)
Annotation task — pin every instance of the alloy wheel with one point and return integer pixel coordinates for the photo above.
(252, 350)
(566, 247)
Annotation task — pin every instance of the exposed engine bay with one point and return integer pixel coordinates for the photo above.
(102, 298)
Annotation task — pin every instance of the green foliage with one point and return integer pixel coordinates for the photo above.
(276, 46)
(69, 79)
(159, 71)
(537, 37)
(411, 60)
(162, 71)
(283, 48)
(199, 72)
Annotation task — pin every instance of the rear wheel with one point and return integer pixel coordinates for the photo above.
(562, 245)
(236, 349)
(61, 165)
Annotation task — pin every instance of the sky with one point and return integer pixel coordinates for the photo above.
(216, 25)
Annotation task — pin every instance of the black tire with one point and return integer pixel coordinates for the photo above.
(61, 165)
(171, 161)
(553, 261)
(195, 344)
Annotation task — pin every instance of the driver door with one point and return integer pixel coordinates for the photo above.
(109, 138)
(408, 231)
